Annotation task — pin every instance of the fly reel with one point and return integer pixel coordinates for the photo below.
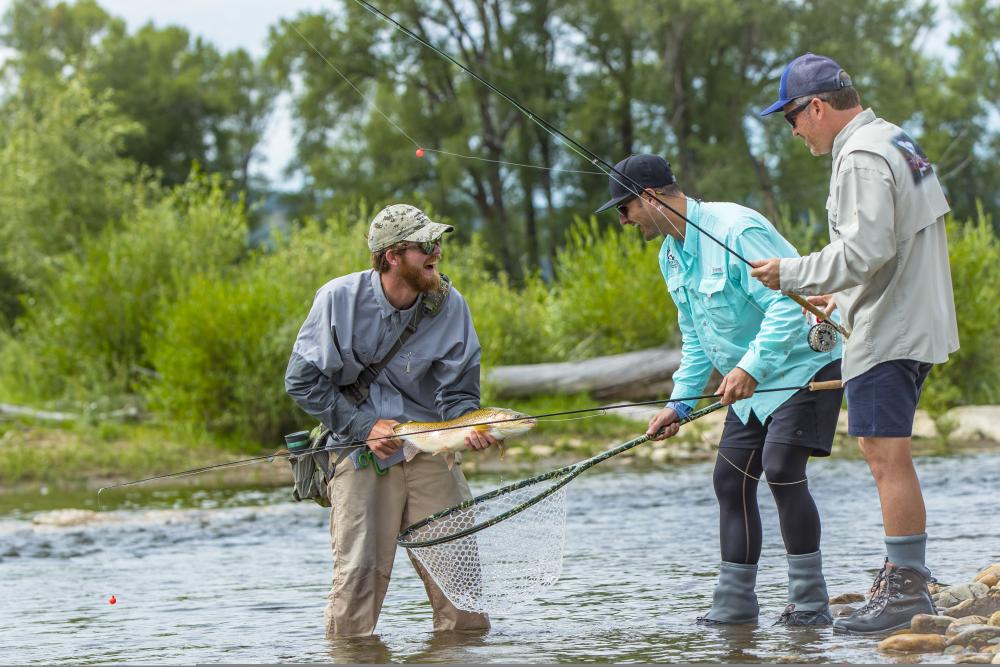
(823, 337)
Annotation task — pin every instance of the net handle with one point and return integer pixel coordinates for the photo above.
(570, 472)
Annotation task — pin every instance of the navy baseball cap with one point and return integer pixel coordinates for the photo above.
(649, 171)
(807, 75)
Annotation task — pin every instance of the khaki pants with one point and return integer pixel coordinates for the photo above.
(368, 512)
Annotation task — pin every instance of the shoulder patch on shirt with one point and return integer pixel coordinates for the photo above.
(915, 158)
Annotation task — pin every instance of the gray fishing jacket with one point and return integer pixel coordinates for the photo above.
(887, 260)
(433, 377)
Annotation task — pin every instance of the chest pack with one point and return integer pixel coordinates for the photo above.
(312, 463)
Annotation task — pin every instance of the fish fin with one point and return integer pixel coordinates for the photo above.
(451, 460)
(500, 447)
(483, 428)
(410, 451)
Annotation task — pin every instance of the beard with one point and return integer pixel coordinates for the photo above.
(415, 278)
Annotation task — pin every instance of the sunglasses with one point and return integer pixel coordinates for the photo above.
(790, 116)
(426, 247)
(623, 207)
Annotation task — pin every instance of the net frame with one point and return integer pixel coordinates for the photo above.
(570, 472)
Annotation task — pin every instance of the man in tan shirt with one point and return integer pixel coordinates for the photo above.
(887, 268)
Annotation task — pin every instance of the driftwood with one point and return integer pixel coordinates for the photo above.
(129, 413)
(632, 376)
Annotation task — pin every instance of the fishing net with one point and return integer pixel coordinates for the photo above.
(519, 556)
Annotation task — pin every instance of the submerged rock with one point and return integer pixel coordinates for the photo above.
(847, 598)
(974, 659)
(960, 624)
(912, 643)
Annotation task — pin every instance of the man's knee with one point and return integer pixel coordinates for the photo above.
(886, 456)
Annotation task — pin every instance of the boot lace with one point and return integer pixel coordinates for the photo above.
(883, 589)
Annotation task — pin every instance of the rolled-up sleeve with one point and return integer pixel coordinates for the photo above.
(316, 355)
(865, 222)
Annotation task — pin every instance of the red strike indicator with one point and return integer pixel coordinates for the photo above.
(420, 152)
(112, 600)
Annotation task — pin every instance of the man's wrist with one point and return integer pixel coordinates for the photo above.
(682, 409)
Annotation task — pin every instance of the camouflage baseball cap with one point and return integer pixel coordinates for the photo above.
(402, 222)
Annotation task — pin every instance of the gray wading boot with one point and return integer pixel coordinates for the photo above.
(734, 601)
(808, 600)
(898, 594)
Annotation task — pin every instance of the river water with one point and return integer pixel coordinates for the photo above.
(240, 576)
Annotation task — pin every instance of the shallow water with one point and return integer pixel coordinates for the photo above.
(241, 576)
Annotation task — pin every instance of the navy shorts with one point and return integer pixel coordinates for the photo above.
(881, 401)
(807, 419)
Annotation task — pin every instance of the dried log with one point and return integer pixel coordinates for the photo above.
(633, 376)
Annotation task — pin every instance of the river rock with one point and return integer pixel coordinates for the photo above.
(960, 624)
(64, 518)
(974, 659)
(912, 643)
(995, 619)
(984, 606)
(923, 426)
(926, 624)
(989, 576)
(975, 422)
(996, 659)
(951, 596)
(975, 636)
(847, 598)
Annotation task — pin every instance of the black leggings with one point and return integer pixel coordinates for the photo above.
(739, 520)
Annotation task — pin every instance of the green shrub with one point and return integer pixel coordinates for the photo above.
(609, 296)
(84, 336)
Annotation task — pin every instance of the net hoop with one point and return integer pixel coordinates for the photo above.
(405, 538)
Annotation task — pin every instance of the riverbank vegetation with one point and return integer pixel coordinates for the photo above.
(145, 270)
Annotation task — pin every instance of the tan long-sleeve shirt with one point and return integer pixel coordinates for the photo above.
(887, 261)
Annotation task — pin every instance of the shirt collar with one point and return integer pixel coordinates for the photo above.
(384, 307)
(859, 121)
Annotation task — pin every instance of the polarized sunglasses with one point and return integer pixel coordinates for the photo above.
(790, 116)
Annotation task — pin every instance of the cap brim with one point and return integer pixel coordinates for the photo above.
(431, 231)
(614, 202)
(777, 106)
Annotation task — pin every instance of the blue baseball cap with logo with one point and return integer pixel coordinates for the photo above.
(808, 74)
(648, 171)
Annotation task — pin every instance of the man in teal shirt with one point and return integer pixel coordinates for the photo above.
(757, 339)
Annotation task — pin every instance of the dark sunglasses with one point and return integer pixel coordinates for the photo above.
(623, 207)
(790, 116)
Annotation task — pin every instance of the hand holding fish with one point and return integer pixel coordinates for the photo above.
(480, 440)
(476, 430)
(388, 443)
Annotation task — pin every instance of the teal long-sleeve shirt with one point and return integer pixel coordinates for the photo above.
(728, 319)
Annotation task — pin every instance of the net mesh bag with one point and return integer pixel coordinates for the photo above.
(506, 563)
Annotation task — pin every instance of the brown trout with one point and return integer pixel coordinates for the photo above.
(452, 440)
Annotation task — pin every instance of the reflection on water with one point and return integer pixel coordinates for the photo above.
(241, 576)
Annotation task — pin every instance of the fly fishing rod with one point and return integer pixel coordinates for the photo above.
(284, 453)
(823, 340)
